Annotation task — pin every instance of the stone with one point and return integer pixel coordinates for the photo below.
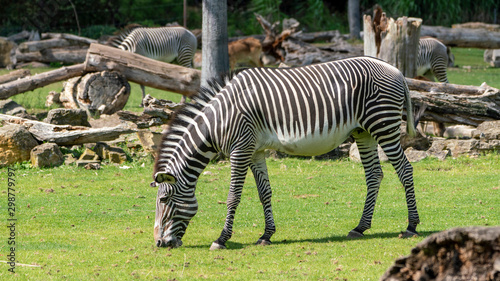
(11, 107)
(46, 155)
(64, 116)
(459, 131)
(489, 130)
(492, 56)
(16, 144)
(84, 163)
(415, 155)
(150, 141)
(354, 153)
(7, 59)
(458, 254)
(117, 155)
(89, 154)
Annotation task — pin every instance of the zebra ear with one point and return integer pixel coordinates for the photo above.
(166, 178)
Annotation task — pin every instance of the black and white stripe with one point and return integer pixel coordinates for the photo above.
(304, 111)
(168, 44)
(433, 59)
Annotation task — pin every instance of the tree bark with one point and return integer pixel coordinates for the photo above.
(14, 75)
(39, 80)
(67, 134)
(354, 18)
(215, 59)
(463, 37)
(142, 70)
(68, 55)
(395, 42)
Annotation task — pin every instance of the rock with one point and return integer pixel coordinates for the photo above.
(492, 56)
(63, 116)
(16, 144)
(46, 155)
(150, 141)
(489, 130)
(354, 153)
(88, 157)
(113, 153)
(11, 107)
(415, 155)
(459, 131)
(458, 254)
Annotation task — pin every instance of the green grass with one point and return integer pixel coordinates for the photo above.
(470, 69)
(80, 224)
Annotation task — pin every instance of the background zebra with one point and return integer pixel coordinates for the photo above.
(304, 111)
(433, 59)
(168, 44)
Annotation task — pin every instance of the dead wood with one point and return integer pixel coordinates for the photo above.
(463, 37)
(30, 83)
(68, 55)
(66, 134)
(14, 75)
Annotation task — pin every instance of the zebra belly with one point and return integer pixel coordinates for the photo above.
(308, 145)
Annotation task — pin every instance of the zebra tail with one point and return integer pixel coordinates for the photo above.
(410, 118)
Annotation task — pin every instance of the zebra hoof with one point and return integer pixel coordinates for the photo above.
(263, 242)
(353, 234)
(408, 234)
(216, 246)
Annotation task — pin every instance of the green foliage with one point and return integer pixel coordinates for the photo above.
(79, 224)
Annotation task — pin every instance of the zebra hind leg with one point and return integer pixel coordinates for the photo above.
(143, 89)
(367, 147)
(259, 170)
(403, 168)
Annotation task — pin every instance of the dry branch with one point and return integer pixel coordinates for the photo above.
(463, 37)
(142, 70)
(14, 75)
(67, 134)
(39, 80)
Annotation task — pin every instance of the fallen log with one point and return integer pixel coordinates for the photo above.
(14, 75)
(39, 80)
(134, 67)
(463, 37)
(68, 55)
(66, 134)
(455, 104)
(35, 46)
(71, 37)
(142, 70)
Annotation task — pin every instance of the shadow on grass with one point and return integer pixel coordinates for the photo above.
(237, 246)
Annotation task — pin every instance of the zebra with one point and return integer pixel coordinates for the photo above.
(433, 58)
(167, 44)
(307, 111)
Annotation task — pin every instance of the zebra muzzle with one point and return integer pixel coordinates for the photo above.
(170, 243)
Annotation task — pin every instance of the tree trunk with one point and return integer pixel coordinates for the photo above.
(215, 60)
(395, 42)
(66, 134)
(30, 83)
(354, 19)
(463, 37)
(14, 75)
(68, 55)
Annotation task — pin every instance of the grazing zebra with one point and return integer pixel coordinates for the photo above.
(433, 58)
(167, 44)
(306, 110)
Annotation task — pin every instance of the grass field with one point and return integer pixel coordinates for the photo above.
(79, 224)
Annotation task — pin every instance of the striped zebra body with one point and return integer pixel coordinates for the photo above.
(304, 111)
(168, 44)
(433, 59)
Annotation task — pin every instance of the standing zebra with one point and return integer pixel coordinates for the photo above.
(433, 58)
(303, 111)
(168, 44)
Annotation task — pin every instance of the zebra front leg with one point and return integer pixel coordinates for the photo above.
(238, 174)
(259, 170)
(368, 154)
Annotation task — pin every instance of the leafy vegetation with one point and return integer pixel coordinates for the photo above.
(83, 225)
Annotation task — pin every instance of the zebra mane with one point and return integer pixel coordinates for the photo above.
(122, 34)
(181, 116)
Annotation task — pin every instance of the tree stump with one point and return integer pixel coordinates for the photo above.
(98, 93)
(394, 41)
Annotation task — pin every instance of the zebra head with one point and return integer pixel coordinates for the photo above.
(174, 210)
